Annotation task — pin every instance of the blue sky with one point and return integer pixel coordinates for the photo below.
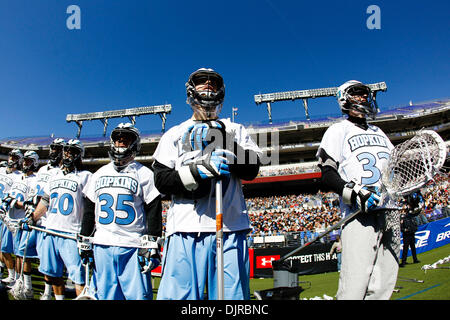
(136, 53)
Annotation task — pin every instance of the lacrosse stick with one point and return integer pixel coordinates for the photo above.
(19, 285)
(219, 241)
(62, 235)
(411, 165)
(1, 239)
(85, 294)
(410, 279)
(436, 264)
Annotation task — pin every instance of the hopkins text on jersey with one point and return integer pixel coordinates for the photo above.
(367, 140)
(117, 182)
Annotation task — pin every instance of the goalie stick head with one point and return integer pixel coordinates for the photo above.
(414, 163)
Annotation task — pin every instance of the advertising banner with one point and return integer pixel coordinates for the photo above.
(313, 259)
(431, 235)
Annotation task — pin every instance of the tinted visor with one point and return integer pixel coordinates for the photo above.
(72, 150)
(359, 91)
(202, 78)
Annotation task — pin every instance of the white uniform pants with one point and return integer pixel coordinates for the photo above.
(369, 259)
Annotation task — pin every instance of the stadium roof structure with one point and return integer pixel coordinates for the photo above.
(304, 95)
(131, 113)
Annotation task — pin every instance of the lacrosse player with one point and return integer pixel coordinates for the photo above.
(8, 177)
(43, 175)
(64, 203)
(351, 157)
(126, 224)
(189, 159)
(24, 240)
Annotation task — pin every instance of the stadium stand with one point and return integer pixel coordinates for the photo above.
(285, 202)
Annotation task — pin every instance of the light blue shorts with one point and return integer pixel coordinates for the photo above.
(21, 241)
(7, 240)
(189, 264)
(117, 275)
(39, 241)
(57, 252)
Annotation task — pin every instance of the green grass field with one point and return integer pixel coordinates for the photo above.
(435, 285)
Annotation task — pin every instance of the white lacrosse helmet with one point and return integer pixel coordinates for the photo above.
(55, 153)
(34, 164)
(76, 149)
(207, 102)
(17, 163)
(346, 101)
(121, 156)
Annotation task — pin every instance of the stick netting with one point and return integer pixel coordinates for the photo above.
(414, 162)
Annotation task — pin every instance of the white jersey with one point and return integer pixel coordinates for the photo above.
(23, 188)
(7, 180)
(43, 175)
(360, 154)
(119, 199)
(186, 215)
(66, 206)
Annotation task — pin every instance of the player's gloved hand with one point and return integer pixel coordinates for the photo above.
(8, 202)
(149, 254)
(85, 251)
(29, 208)
(26, 223)
(214, 165)
(3, 209)
(199, 135)
(356, 194)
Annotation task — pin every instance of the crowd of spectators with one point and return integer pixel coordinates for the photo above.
(436, 200)
(277, 215)
(287, 170)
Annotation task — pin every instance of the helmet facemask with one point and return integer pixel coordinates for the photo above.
(125, 144)
(30, 161)
(73, 152)
(205, 93)
(15, 159)
(56, 152)
(354, 95)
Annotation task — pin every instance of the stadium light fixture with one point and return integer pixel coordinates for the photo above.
(304, 95)
(131, 113)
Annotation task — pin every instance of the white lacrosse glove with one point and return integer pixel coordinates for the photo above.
(213, 165)
(149, 253)
(85, 251)
(356, 194)
(198, 136)
(8, 202)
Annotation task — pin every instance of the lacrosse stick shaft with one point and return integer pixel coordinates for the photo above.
(86, 282)
(24, 253)
(410, 279)
(219, 241)
(323, 234)
(67, 236)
